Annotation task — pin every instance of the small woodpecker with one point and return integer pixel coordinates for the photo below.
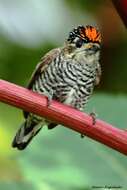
(67, 74)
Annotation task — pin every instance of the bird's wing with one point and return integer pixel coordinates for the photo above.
(98, 75)
(41, 66)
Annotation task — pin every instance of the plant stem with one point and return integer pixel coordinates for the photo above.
(62, 114)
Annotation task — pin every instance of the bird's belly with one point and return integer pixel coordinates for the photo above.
(76, 95)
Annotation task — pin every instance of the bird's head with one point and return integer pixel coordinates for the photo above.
(84, 40)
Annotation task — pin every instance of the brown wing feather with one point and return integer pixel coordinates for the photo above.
(41, 66)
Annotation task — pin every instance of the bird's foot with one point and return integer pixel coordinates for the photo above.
(94, 116)
(48, 101)
(49, 98)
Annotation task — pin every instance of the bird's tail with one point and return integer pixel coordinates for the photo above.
(25, 134)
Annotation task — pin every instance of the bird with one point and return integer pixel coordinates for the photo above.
(67, 74)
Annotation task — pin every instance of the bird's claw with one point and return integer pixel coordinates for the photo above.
(48, 101)
(94, 116)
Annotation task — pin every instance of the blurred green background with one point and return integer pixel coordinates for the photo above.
(60, 159)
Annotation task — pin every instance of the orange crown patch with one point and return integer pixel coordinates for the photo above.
(91, 33)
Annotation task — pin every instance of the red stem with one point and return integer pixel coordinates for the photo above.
(78, 121)
(121, 6)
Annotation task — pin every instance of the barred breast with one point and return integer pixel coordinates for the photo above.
(66, 81)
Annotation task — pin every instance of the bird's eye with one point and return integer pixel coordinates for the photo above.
(79, 43)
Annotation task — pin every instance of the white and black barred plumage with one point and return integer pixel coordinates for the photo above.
(67, 74)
